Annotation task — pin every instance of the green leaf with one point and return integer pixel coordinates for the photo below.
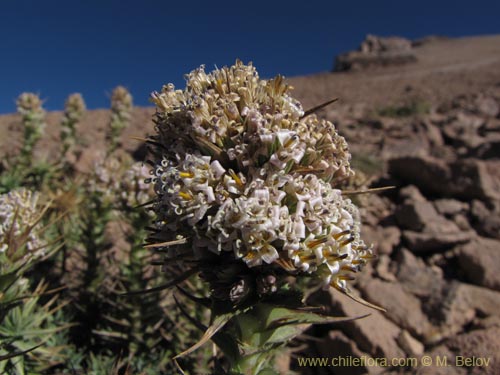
(268, 324)
(7, 280)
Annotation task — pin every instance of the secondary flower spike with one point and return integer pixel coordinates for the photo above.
(241, 172)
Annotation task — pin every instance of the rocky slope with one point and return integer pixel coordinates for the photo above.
(431, 128)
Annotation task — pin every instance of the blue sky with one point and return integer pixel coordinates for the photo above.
(55, 48)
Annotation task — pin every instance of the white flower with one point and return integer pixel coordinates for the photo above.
(239, 169)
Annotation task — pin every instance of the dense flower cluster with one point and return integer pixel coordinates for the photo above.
(241, 168)
(19, 216)
(117, 176)
(74, 108)
(29, 105)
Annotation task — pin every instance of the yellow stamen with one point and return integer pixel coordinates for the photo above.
(317, 242)
(186, 196)
(338, 235)
(186, 174)
(347, 242)
(291, 141)
(358, 261)
(334, 257)
(346, 277)
(349, 269)
(236, 178)
(309, 257)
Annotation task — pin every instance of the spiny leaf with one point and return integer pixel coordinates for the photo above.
(367, 191)
(197, 300)
(170, 284)
(219, 322)
(179, 241)
(15, 354)
(318, 107)
(360, 300)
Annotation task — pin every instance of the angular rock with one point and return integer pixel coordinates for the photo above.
(480, 261)
(416, 216)
(490, 321)
(376, 51)
(410, 345)
(489, 147)
(486, 221)
(432, 133)
(487, 106)
(436, 238)
(383, 268)
(483, 346)
(417, 277)
(443, 363)
(427, 173)
(375, 44)
(462, 222)
(403, 308)
(340, 346)
(374, 334)
(461, 303)
(474, 178)
(450, 207)
(384, 239)
(412, 194)
(463, 130)
(465, 178)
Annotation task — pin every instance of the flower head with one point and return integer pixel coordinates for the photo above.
(19, 225)
(29, 106)
(241, 173)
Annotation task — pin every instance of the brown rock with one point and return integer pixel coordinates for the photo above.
(462, 222)
(488, 322)
(436, 238)
(339, 346)
(417, 277)
(375, 44)
(465, 178)
(463, 130)
(410, 345)
(486, 221)
(384, 239)
(376, 51)
(487, 106)
(411, 193)
(461, 302)
(383, 268)
(432, 133)
(443, 363)
(474, 178)
(480, 261)
(428, 231)
(403, 308)
(489, 148)
(374, 334)
(481, 346)
(450, 207)
(416, 216)
(426, 172)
